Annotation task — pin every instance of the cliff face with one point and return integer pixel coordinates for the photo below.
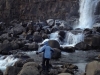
(38, 9)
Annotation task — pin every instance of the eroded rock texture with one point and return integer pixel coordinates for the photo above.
(38, 9)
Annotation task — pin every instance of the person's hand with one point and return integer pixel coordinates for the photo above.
(37, 53)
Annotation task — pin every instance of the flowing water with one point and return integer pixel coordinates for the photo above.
(87, 10)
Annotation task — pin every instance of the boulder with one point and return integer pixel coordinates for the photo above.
(21, 62)
(82, 46)
(96, 27)
(54, 44)
(62, 35)
(64, 74)
(1, 73)
(54, 29)
(68, 68)
(17, 29)
(50, 21)
(30, 68)
(21, 55)
(69, 49)
(12, 70)
(97, 72)
(14, 45)
(93, 41)
(92, 68)
(5, 48)
(44, 36)
(32, 46)
(37, 37)
(4, 36)
(87, 31)
(56, 54)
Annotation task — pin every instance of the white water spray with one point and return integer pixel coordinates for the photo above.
(8, 61)
(72, 39)
(87, 10)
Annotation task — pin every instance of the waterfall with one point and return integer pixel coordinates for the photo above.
(86, 20)
(72, 39)
(87, 10)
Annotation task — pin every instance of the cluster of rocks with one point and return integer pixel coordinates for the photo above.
(91, 39)
(27, 36)
(30, 67)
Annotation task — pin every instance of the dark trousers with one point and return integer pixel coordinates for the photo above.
(45, 64)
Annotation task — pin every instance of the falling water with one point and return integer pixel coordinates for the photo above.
(87, 10)
(7, 61)
(72, 39)
(86, 20)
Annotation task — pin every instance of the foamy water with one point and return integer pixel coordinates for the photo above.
(7, 61)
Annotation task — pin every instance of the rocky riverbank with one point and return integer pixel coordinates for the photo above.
(20, 37)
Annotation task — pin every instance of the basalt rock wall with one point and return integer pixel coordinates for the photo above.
(38, 9)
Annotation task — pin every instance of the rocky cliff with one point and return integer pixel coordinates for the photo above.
(38, 9)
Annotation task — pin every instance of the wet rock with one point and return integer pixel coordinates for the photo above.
(50, 22)
(54, 44)
(21, 55)
(62, 35)
(12, 70)
(53, 72)
(17, 29)
(69, 49)
(82, 46)
(68, 68)
(56, 54)
(4, 36)
(64, 74)
(87, 31)
(92, 68)
(32, 46)
(97, 72)
(93, 41)
(21, 62)
(14, 45)
(5, 48)
(30, 68)
(96, 28)
(44, 36)
(37, 37)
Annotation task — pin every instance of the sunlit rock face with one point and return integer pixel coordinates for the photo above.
(38, 9)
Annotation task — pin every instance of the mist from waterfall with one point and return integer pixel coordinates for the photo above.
(87, 10)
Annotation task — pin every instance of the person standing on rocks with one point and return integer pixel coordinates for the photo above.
(47, 53)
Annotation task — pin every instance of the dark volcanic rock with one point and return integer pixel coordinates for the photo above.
(56, 54)
(30, 68)
(38, 9)
(54, 44)
(12, 70)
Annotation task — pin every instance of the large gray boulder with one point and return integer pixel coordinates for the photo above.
(56, 54)
(12, 70)
(30, 68)
(54, 44)
(92, 68)
(37, 37)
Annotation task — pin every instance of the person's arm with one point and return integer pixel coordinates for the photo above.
(52, 49)
(40, 50)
